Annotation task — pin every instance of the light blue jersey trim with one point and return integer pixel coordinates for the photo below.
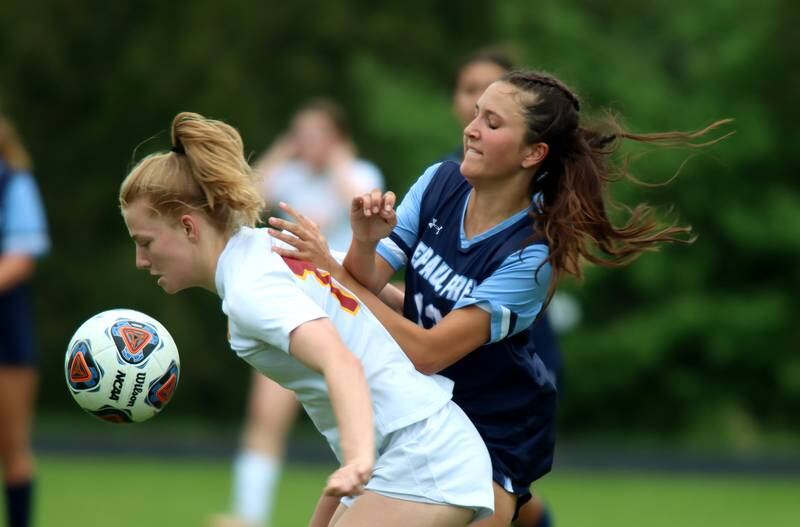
(24, 223)
(392, 253)
(407, 220)
(513, 289)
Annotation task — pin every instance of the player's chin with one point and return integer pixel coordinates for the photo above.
(168, 287)
(470, 170)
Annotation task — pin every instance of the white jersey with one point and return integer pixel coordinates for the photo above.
(266, 296)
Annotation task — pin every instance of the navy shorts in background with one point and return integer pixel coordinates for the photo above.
(17, 344)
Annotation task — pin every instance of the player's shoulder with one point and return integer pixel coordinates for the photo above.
(19, 184)
(247, 255)
(438, 174)
(530, 256)
(446, 173)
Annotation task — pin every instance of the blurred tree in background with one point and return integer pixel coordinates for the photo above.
(693, 342)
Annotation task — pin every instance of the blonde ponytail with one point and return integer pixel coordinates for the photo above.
(205, 171)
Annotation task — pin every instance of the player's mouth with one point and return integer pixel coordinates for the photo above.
(469, 149)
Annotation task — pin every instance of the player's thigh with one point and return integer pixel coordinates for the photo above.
(505, 504)
(372, 509)
(341, 509)
(17, 397)
(271, 405)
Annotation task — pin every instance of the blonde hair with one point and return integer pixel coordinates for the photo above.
(11, 149)
(204, 171)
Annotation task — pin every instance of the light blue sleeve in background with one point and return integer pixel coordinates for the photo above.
(24, 222)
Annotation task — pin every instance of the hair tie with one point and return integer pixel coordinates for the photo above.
(178, 150)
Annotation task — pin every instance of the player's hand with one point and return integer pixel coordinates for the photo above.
(372, 216)
(305, 236)
(349, 480)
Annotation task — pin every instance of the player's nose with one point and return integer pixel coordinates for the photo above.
(142, 262)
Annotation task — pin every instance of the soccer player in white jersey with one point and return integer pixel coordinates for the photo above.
(409, 455)
(314, 166)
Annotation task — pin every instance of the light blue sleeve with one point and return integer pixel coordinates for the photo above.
(396, 251)
(514, 294)
(25, 225)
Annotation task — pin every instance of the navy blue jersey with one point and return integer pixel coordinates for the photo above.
(543, 339)
(503, 386)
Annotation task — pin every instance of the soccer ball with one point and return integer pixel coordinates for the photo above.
(122, 366)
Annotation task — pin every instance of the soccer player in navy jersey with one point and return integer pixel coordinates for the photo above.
(484, 244)
(472, 76)
(471, 79)
(23, 239)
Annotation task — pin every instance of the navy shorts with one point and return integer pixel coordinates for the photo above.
(17, 343)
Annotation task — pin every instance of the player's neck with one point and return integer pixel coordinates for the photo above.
(209, 260)
(491, 205)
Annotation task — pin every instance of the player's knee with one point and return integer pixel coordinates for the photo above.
(15, 459)
(19, 467)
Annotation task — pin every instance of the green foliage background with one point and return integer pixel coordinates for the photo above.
(694, 342)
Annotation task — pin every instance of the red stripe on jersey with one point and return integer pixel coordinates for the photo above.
(305, 269)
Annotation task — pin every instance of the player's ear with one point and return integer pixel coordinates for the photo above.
(534, 154)
(190, 227)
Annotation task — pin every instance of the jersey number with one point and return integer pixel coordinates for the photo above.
(304, 269)
(430, 311)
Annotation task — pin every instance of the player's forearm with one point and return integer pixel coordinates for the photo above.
(393, 295)
(360, 263)
(352, 405)
(415, 341)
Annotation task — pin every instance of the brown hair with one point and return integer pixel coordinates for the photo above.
(500, 56)
(204, 171)
(11, 149)
(573, 181)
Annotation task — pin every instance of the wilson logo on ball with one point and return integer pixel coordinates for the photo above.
(135, 341)
(122, 366)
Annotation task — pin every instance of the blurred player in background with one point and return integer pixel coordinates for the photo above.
(314, 166)
(24, 238)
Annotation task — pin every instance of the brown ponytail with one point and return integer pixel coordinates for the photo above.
(12, 152)
(204, 171)
(573, 181)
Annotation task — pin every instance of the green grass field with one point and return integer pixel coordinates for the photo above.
(84, 492)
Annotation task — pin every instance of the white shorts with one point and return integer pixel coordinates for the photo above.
(441, 460)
